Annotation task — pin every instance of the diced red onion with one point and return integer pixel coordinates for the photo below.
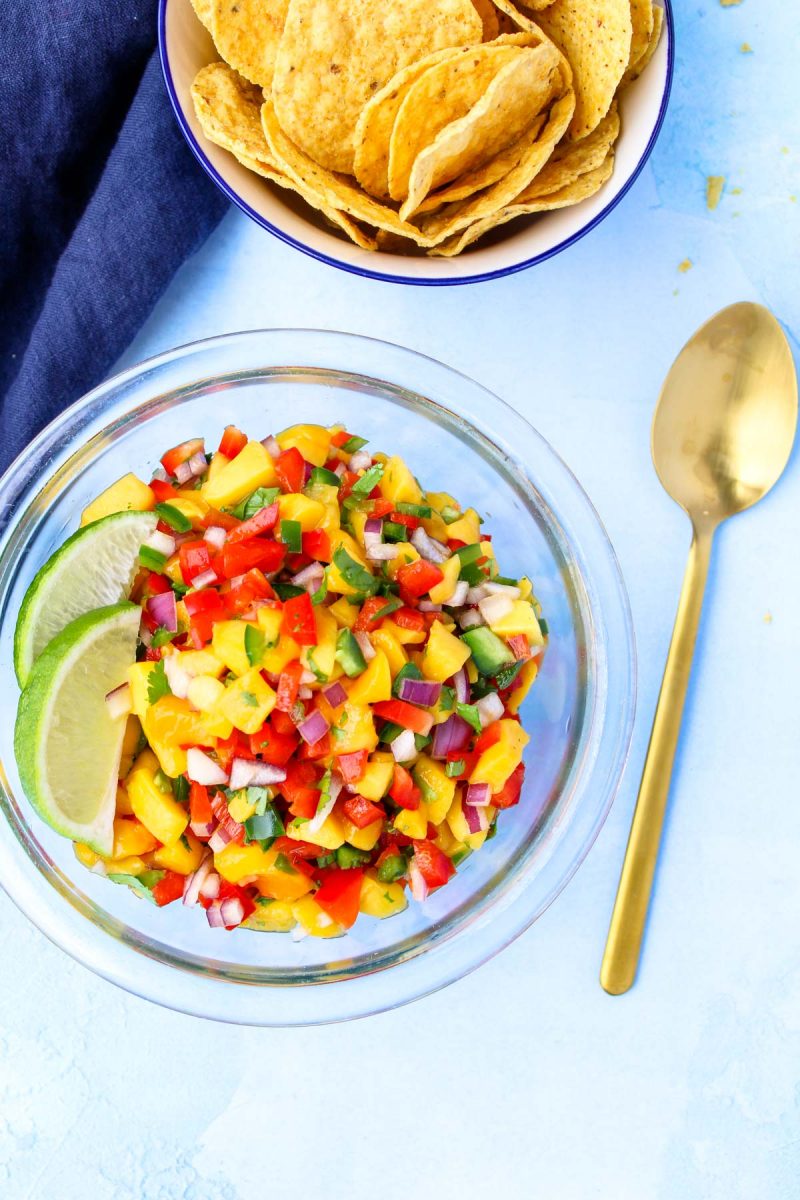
(474, 594)
(310, 577)
(209, 888)
(419, 888)
(420, 691)
(215, 535)
(118, 701)
(429, 606)
(219, 839)
(307, 676)
(307, 469)
(297, 713)
(197, 464)
(458, 596)
(335, 694)
(164, 610)
(162, 543)
(382, 551)
(205, 579)
(145, 635)
(160, 473)
(519, 647)
(494, 607)
(247, 773)
(478, 794)
(214, 915)
(365, 645)
(460, 682)
(191, 888)
(183, 472)
(202, 769)
(319, 819)
(428, 547)
(476, 818)
(360, 461)
(304, 692)
(490, 708)
(313, 728)
(404, 748)
(339, 469)
(452, 734)
(298, 933)
(373, 525)
(503, 589)
(232, 911)
(202, 829)
(177, 678)
(470, 618)
(272, 446)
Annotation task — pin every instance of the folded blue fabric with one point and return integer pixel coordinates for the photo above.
(101, 200)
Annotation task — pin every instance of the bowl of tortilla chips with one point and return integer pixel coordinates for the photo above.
(433, 142)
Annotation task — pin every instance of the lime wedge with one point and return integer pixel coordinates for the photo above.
(93, 568)
(66, 742)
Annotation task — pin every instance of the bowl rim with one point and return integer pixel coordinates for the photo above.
(205, 1001)
(387, 276)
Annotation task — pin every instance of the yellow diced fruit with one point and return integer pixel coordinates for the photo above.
(384, 640)
(241, 807)
(524, 684)
(171, 754)
(330, 834)
(355, 729)
(279, 649)
(472, 671)
(358, 520)
(134, 865)
(436, 786)
(139, 680)
(412, 822)
(398, 484)
(239, 864)
(218, 461)
(440, 593)
(269, 622)
(227, 644)
(381, 899)
(328, 497)
(296, 507)
(321, 659)
(252, 468)
(271, 916)
(131, 837)
(459, 827)
(127, 493)
(85, 855)
(314, 920)
(205, 692)
(248, 701)
(281, 880)
(172, 569)
(336, 581)
(158, 811)
(525, 588)
(521, 619)
(183, 856)
(406, 637)
(313, 442)
(440, 500)
(444, 654)
(122, 806)
(362, 839)
(445, 841)
(376, 780)
(496, 764)
(173, 722)
(488, 551)
(344, 613)
(435, 527)
(192, 505)
(373, 685)
(130, 743)
(467, 528)
(406, 554)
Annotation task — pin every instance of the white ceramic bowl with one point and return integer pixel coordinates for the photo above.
(185, 47)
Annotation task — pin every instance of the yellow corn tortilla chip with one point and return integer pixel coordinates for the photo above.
(595, 35)
(509, 106)
(531, 153)
(513, 18)
(444, 93)
(335, 54)
(335, 191)
(229, 111)
(376, 122)
(204, 11)
(641, 28)
(580, 189)
(246, 34)
(489, 19)
(634, 71)
(569, 160)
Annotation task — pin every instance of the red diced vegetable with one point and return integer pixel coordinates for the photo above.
(169, 888)
(417, 578)
(407, 715)
(241, 557)
(362, 812)
(233, 440)
(254, 526)
(317, 545)
(289, 686)
(194, 558)
(290, 468)
(352, 766)
(509, 794)
(299, 621)
(403, 790)
(433, 864)
(339, 895)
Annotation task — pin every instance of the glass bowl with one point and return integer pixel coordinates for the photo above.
(457, 437)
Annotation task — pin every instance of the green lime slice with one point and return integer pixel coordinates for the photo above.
(93, 568)
(66, 742)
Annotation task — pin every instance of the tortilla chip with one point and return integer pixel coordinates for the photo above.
(634, 71)
(334, 191)
(489, 19)
(530, 155)
(229, 111)
(508, 107)
(335, 54)
(580, 189)
(246, 34)
(338, 219)
(204, 11)
(641, 28)
(572, 159)
(375, 125)
(595, 35)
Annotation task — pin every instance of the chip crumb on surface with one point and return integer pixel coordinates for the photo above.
(737, 191)
(685, 266)
(767, 618)
(715, 186)
(746, 48)
(729, 3)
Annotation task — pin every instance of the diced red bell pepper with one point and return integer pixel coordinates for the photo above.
(219, 519)
(317, 750)
(200, 812)
(153, 654)
(169, 888)
(299, 621)
(296, 851)
(365, 621)
(317, 545)
(290, 467)
(162, 490)
(274, 747)
(204, 608)
(299, 788)
(455, 544)
(253, 587)
(339, 895)
(361, 811)
(241, 557)
(235, 746)
(155, 584)
(409, 618)
(403, 790)
(181, 453)
(405, 519)
(194, 558)
(469, 759)
(289, 686)
(417, 578)
(260, 522)
(353, 765)
(282, 721)
(233, 440)
(434, 865)
(400, 712)
(488, 738)
(509, 794)
(340, 438)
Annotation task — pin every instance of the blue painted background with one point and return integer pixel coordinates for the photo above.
(524, 1081)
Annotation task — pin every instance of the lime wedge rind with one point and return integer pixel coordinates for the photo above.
(94, 568)
(66, 743)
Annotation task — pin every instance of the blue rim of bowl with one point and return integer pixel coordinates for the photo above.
(382, 276)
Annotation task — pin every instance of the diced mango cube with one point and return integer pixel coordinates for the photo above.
(376, 780)
(252, 468)
(412, 822)
(314, 920)
(313, 442)
(227, 644)
(406, 637)
(321, 659)
(437, 788)
(296, 507)
(248, 701)
(459, 827)
(496, 764)
(524, 684)
(183, 856)
(373, 685)
(127, 493)
(345, 613)
(398, 484)
(239, 863)
(440, 593)
(383, 639)
(362, 839)
(131, 837)
(158, 811)
(521, 619)
(205, 692)
(271, 916)
(467, 528)
(444, 654)
(330, 834)
(381, 899)
(354, 729)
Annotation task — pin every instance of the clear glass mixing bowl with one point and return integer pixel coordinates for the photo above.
(458, 437)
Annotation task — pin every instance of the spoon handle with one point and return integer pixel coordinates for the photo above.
(621, 958)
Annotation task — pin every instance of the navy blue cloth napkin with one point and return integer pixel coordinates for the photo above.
(101, 199)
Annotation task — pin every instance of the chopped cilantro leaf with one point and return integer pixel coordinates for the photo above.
(158, 684)
(470, 714)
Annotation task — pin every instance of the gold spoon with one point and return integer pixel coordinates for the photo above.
(722, 435)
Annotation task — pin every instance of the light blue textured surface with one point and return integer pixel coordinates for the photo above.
(524, 1080)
